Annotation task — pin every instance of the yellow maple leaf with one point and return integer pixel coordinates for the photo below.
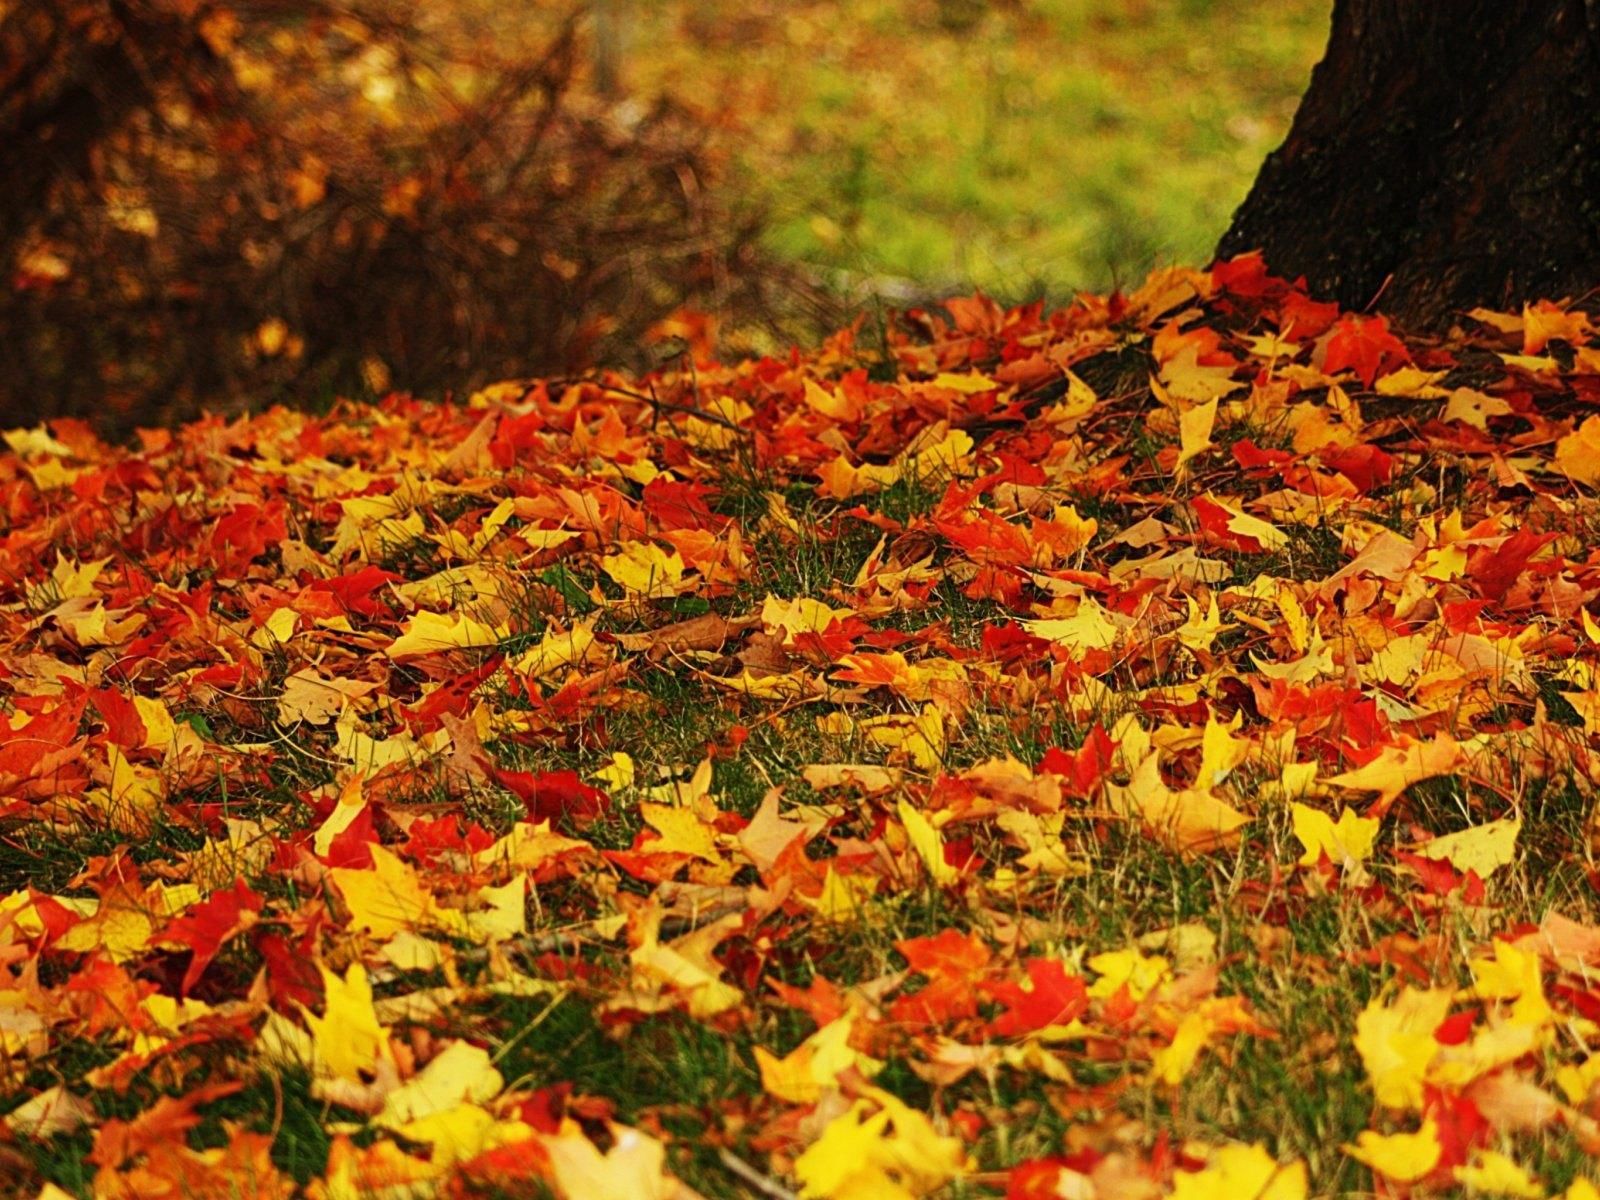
(969, 384)
(683, 971)
(504, 911)
(645, 569)
(388, 897)
(133, 794)
(1578, 454)
(68, 580)
(1346, 843)
(159, 728)
(681, 830)
(1491, 1173)
(1089, 628)
(1474, 408)
(379, 1170)
(556, 649)
(797, 615)
(1398, 766)
(462, 1132)
(1201, 629)
(833, 404)
(812, 1067)
(880, 1149)
(618, 773)
(277, 629)
(1220, 751)
(459, 1074)
(1482, 848)
(1186, 379)
(1402, 1157)
(309, 697)
(921, 738)
(433, 633)
(1131, 969)
(1513, 974)
(351, 804)
(1194, 434)
(925, 840)
(347, 1038)
(1172, 1063)
(1238, 1171)
(1545, 321)
(1192, 820)
(1296, 625)
(121, 924)
(1579, 1081)
(843, 897)
(1411, 381)
(938, 452)
(1397, 1045)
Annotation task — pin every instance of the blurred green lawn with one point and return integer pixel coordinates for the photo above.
(1025, 147)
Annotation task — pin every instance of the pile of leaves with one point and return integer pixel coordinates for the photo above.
(1139, 749)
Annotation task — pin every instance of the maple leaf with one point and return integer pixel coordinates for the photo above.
(117, 1141)
(1047, 1005)
(459, 1074)
(554, 796)
(388, 898)
(954, 964)
(433, 633)
(1402, 1157)
(682, 972)
(1397, 1044)
(207, 926)
(1578, 454)
(925, 840)
(1192, 820)
(1234, 1171)
(1362, 344)
(1544, 322)
(881, 1148)
(644, 569)
(634, 1168)
(814, 1066)
(1346, 843)
(1398, 766)
(1483, 849)
(347, 1038)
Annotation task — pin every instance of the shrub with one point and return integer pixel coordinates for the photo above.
(220, 204)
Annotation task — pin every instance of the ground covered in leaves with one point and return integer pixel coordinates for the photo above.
(1140, 749)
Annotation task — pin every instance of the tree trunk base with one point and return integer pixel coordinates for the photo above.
(1445, 156)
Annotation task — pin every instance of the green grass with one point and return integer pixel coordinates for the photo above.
(1027, 148)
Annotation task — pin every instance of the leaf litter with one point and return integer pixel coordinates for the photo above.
(395, 801)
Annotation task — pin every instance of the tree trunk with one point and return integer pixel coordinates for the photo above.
(1446, 155)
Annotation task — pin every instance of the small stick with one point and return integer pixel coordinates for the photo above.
(762, 1183)
(657, 403)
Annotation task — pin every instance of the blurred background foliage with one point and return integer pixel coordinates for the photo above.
(227, 203)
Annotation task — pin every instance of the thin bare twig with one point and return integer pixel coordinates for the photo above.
(764, 1184)
(656, 402)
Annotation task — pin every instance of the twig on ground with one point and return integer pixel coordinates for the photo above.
(762, 1183)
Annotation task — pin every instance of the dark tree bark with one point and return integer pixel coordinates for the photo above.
(1446, 155)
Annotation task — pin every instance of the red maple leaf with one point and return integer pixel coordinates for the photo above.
(554, 796)
(1364, 345)
(211, 923)
(1054, 998)
(953, 963)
